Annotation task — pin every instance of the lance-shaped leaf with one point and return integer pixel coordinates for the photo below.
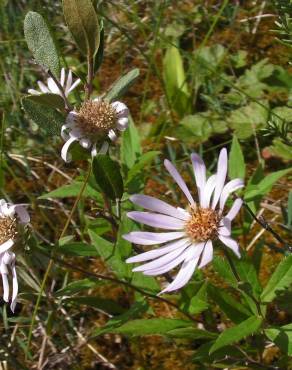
(49, 119)
(236, 333)
(49, 100)
(282, 337)
(83, 24)
(108, 176)
(122, 85)
(280, 280)
(236, 164)
(41, 42)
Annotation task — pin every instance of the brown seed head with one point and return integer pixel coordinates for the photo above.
(96, 118)
(8, 229)
(203, 224)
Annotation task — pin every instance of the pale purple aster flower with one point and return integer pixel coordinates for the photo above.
(11, 217)
(52, 87)
(190, 233)
(94, 123)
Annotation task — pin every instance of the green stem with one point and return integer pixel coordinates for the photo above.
(50, 265)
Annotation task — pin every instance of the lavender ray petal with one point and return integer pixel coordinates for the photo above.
(220, 176)
(156, 220)
(156, 205)
(150, 255)
(207, 191)
(234, 209)
(199, 172)
(207, 254)
(179, 180)
(148, 238)
(230, 243)
(229, 188)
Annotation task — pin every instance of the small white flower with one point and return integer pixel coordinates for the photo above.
(52, 88)
(190, 242)
(92, 124)
(11, 216)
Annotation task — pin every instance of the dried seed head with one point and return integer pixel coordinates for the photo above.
(96, 118)
(203, 224)
(8, 229)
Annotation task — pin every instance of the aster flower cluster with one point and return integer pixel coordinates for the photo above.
(191, 231)
(12, 217)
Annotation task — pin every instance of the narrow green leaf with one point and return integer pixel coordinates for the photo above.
(175, 80)
(135, 311)
(83, 24)
(265, 185)
(111, 255)
(131, 148)
(99, 55)
(47, 118)
(236, 164)
(236, 333)
(49, 100)
(289, 210)
(280, 280)
(122, 85)
(108, 176)
(151, 326)
(232, 307)
(41, 42)
(190, 333)
(76, 287)
(73, 190)
(282, 337)
(78, 249)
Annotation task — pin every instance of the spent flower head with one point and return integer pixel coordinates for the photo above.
(192, 231)
(12, 217)
(92, 124)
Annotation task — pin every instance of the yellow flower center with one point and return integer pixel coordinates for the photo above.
(203, 224)
(96, 118)
(8, 229)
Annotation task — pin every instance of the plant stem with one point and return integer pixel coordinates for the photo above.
(50, 265)
(261, 221)
(90, 75)
(122, 282)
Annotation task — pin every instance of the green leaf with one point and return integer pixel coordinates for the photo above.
(289, 210)
(151, 326)
(76, 287)
(280, 280)
(175, 80)
(282, 337)
(265, 185)
(41, 42)
(73, 190)
(108, 176)
(130, 147)
(236, 333)
(143, 161)
(190, 333)
(78, 249)
(47, 118)
(236, 164)
(111, 255)
(83, 24)
(232, 307)
(115, 259)
(248, 274)
(49, 100)
(122, 85)
(245, 120)
(135, 311)
(99, 55)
